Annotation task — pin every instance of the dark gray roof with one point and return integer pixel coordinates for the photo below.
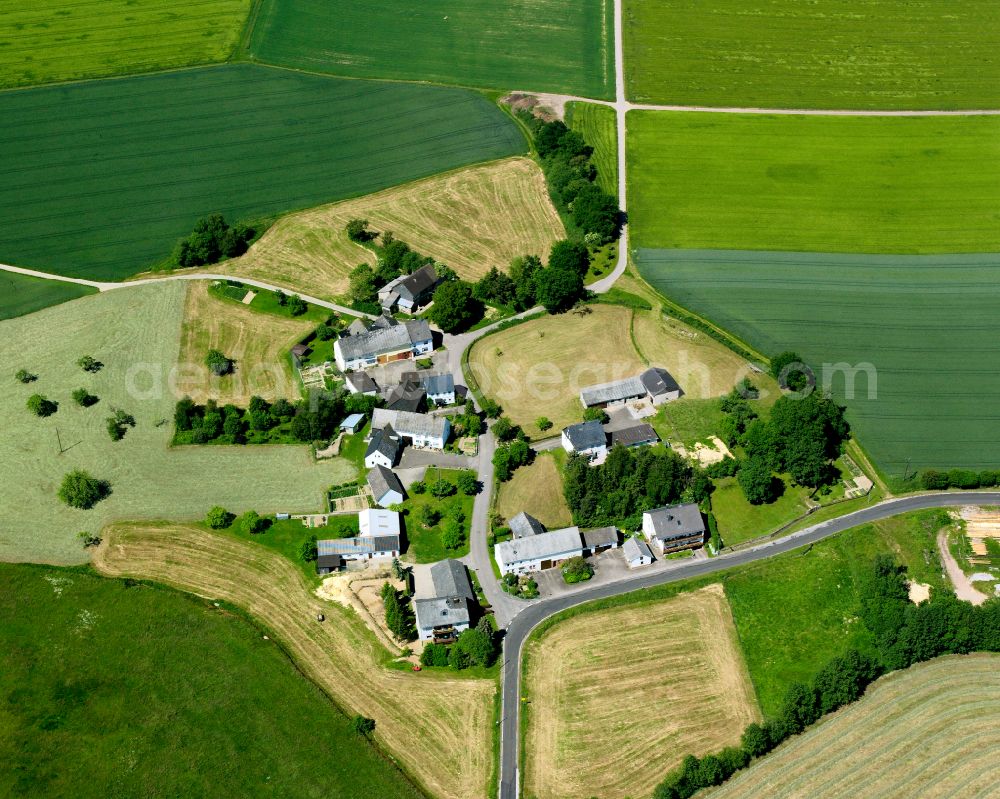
(586, 435)
(450, 578)
(385, 441)
(442, 612)
(414, 285)
(361, 382)
(658, 381)
(676, 521)
(407, 396)
(383, 340)
(410, 424)
(329, 561)
(382, 480)
(600, 537)
(357, 327)
(615, 391)
(383, 321)
(631, 436)
(524, 525)
(361, 545)
(634, 548)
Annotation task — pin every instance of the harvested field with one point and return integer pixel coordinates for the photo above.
(472, 219)
(65, 40)
(438, 727)
(135, 332)
(932, 731)
(258, 343)
(22, 294)
(104, 177)
(618, 697)
(536, 489)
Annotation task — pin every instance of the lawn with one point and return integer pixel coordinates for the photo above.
(926, 327)
(564, 46)
(424, 720)
(536, 490)
(137, 690)
(598, 124)
(689, 421)
(21, 294)
(104, 177)
(931, 731)
(617, 697)
(64, 40)
(795, 612)
(825, 54)
(813, 183)
(470, 219)
(424, 543)
(257, 343)
(135, 332)
(740, 521)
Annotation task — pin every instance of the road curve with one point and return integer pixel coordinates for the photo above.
(534, 614)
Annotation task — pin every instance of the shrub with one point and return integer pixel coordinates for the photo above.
(442, 488)
(543, 423)
(363, 725)
(84, 398)
(89, 364)
(24, 376)
(89, 539)
(212, 240)
(453, 534)
(357, 230)
(418, 487)
(80, 490)
(309, 550)
(467, 483)
(577, 570)
(434, 655)
(118, 423)
(218, 363)
(252, 523)
(791, 371)
(218, 518)
(41, 406)
(296, 305)
(595, 415)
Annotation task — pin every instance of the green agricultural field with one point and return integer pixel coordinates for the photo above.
(135, 332)
(564, 46)
(823, 184)
(796, 612)
(598, 124)
(112, 689)
(64, 40)
(824, 54)
(103, 178)
(21, 294)
(926, 327)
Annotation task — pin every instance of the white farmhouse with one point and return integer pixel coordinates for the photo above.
(383, 345)
(541, 551)
(423, 430)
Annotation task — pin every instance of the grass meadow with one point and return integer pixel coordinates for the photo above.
(822, 184)
(788, 54)
(925, 327)
(64, 40)
(21, 294)
(135, 332)
(598, 125)
(564, 46)
(104, 177)
(138, 690)
(931, 731)
(536, 489)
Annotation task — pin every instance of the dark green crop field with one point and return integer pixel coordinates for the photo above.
(564, 46)
(879, 54)
(922, 331)
(21, 294)
(57, 40)
(109, 690)
(102, 178)
(598, 124)
(814, 183)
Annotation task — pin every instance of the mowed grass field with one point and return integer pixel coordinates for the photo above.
(22, 294)
(537, 490)
(818, 184)
(618, 697)
(65, 40)
(598, 125)
(111, 689)
(471, 219)
(931, 731)
(538, 368)
(438, 726)
(924, 328)
(564, 46)
(104, 177)
(256, 342)
(135, 332)
(828, 54)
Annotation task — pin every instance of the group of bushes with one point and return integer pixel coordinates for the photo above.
(558, 286)
(958, 478)
(513, 450)
(212, 240)
(394, 258)
(476, 646)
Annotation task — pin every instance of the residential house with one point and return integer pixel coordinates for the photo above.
(370, 547)
(540, 551)
(385, 487)
(409, 293)
(383, 345)
(524, 524)
(378, 522)
(353, 423)
(639, 435)
(586, 438)
(636, 553)
(673, 528)
(440, 388)
(384, 448)
(656, 385)
(422, 430)
(360, 383)
(407, 396)
(444, 602)
(598, 540)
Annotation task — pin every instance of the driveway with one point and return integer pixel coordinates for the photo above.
(422, 458)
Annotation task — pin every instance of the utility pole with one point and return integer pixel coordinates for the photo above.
(59, 441)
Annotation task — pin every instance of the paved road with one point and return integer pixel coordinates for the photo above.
(532, 615)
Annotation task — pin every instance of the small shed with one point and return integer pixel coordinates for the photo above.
(326, 564)
(637, 553)
(353, 423)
